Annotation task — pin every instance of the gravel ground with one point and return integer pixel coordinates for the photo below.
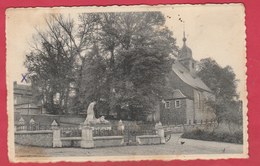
(173, 147)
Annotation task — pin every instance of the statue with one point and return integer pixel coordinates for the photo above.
(91, 119)
(90, 112)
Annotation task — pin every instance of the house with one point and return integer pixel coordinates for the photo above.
(23, 100)
(186, 102)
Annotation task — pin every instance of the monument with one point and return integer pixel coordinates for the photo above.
(91, 119)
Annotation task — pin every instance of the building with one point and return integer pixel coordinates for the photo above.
(23, 100)
(186, 102)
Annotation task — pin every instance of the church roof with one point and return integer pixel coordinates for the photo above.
(192, 80)
(174, 94)
(185, 52)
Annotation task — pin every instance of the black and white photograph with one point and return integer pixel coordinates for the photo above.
(120, 83)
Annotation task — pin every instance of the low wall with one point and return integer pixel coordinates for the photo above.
(203, 126)
(106, 141)
(148, 139)
(34, 138)
(190, 127)
(71, 141)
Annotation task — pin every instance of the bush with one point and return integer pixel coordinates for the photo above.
(237, 137)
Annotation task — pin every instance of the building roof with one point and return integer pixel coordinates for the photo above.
(173, 94)
(185, 52)
(190, 79)
(22, 89)
(27, 106)
(177, 94)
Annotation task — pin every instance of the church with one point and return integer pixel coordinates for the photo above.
(186, 103)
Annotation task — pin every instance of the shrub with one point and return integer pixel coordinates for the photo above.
(237, 137)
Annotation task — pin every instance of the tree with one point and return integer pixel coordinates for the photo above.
(117, 58)
(51, 63)
(56, 61)
(134, 48)
(223, 83)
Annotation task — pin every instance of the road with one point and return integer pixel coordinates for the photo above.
(173, 147)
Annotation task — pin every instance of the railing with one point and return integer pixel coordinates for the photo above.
(32, 127)
(140, 129)
(102, 132)
(70, 132)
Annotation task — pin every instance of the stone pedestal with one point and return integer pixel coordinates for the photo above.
(86, 136)
(160, 132)
(56, 142)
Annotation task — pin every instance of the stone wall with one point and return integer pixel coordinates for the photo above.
(148, 139)
(203, 112)
(34, 138)
(106, 141)
(71, 141)
(190, 127)
(174, 115)
(201, 126)
(189, 111)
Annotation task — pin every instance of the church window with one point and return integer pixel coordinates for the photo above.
(199, 100)
(167, 104)
(177, 103)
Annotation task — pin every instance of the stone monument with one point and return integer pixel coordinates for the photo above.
(91, 119)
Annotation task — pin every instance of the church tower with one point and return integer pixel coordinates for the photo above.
(185, 56)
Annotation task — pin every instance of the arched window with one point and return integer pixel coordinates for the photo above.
(199, 99)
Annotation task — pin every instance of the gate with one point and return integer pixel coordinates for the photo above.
(133, 130)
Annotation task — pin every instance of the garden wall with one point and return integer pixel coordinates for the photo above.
(106, 141)
(34, 138)
(148, 139)
(71, 141)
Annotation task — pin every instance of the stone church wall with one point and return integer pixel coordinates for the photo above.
(174, 115)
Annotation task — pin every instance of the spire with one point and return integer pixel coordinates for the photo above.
(185, 52)
(184, 37)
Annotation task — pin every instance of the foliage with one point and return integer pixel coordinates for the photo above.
(223, 83)
(50, 67)
(236, 137)
(117, 59)
(134, 51)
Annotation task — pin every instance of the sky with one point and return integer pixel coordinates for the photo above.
(215, 31)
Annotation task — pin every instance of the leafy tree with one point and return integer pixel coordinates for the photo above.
(118, 58)
(134, 48)
(223, 83)
(50, 65)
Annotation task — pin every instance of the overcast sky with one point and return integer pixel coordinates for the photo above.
(215, 31)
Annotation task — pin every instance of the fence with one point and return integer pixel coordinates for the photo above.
(87, 136)
(70, 132)
(103, 132)
(32, 127)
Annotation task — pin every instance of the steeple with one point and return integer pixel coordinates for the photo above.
(185, 52)
(185, 55)
(184, 37)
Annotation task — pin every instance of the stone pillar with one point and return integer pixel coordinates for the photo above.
(21, 124)
(160, 131)
(86, 136)
(32, 124)
(56, 142)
